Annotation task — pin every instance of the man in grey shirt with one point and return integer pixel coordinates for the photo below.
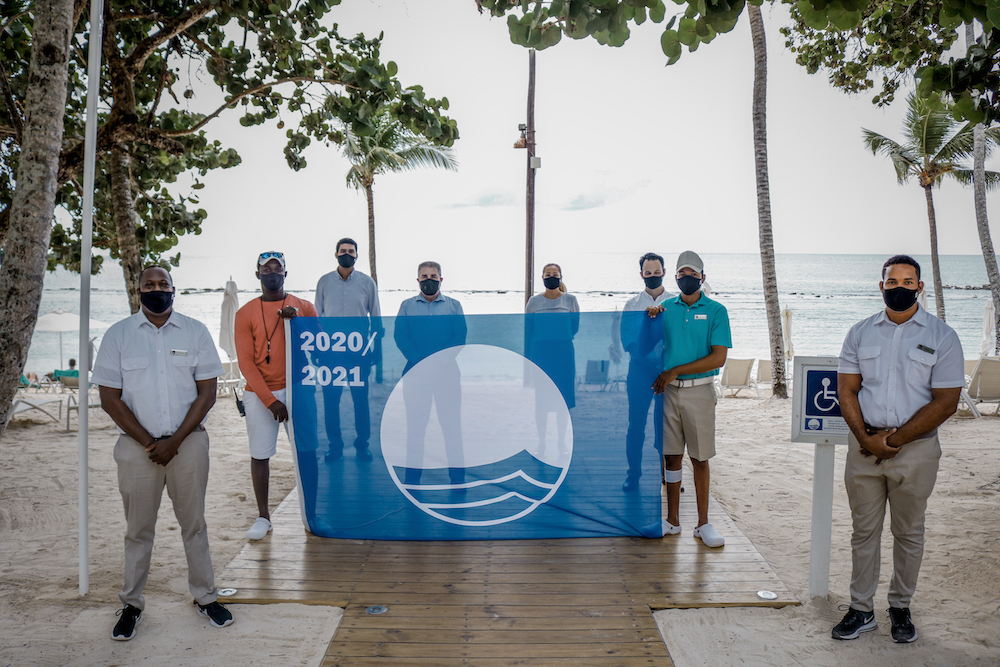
(347, 292)
(899, 378)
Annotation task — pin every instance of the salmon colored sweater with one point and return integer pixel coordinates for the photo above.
(255, 321)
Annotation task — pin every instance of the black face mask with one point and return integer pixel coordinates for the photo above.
(430, 287)
(551, 282)
(272, 282)
(899, 299)
(346, 261)
(689, 284)
(157, 302)
(652, 282)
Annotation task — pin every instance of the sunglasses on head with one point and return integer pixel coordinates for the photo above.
(264, 256)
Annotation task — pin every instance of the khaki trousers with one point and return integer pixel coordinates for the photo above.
(689, 419)
(905, 481)
(141, 483)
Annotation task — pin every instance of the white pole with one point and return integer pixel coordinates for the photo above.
(822, 520)
(86, 247)
(60, 352)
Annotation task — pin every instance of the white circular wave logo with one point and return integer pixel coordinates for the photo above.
(477, 435)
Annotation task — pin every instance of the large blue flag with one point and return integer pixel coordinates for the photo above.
(474, 427)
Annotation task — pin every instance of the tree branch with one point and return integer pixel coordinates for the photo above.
(250, 91)
(171, 29)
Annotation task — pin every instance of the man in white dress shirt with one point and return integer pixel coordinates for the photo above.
(900, 376)
(157, 374)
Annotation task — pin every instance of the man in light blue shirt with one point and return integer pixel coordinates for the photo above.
(642, 369)
(900, 376)
(427, 324)
(347, 292)
(696, 340)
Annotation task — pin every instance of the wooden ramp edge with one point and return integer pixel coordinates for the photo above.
(525, 602)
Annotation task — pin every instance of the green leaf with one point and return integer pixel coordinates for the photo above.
(670, 44)
(391, 68)
(657, 12)
(640, 15)
(816, 20)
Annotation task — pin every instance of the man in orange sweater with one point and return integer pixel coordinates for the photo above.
(260, 348)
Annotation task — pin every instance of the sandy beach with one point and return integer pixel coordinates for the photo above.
(762, 479)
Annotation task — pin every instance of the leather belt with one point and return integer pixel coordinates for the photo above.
(694, 382)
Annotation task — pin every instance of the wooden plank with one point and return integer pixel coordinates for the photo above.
(608, 650)
(634, 661)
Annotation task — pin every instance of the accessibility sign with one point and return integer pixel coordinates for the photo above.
(816, 408)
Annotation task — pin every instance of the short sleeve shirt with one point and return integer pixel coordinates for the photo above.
(690, 332)
(157, 369)
(899, 364)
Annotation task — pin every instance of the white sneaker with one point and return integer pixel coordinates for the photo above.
(260, 528)
(709, 536)
(669, 528)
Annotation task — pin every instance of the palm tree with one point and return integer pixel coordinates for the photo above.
(776, 336)
(390, 148)
(934, 147)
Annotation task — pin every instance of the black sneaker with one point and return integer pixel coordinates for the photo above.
(216, 612)
(855, 622)
(130, 617)
(903, 631)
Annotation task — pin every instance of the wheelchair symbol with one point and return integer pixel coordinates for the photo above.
(829, 397)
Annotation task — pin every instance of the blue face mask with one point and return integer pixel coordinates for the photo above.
(689, 284)
(157, 302)
(272, 282)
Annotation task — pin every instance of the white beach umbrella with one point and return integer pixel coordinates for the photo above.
(60, 321)
(786, 325)
(988, 346)
(227, 328)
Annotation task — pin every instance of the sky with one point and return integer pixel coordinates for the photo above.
(636, 157)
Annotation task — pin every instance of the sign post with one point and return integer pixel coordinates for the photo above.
(816, 418)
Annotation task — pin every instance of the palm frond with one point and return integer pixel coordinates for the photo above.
(965, 176)
(959, 147)
(903, 161)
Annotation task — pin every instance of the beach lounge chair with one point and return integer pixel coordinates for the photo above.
(736, 375)
(23, 403)
(763, 372)
(231, 378)
(984, 383)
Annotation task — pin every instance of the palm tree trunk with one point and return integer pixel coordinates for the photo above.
(371, 229)
(764, 203)
(35, 198)
(982, 222)
(128, 245)
(935, 268)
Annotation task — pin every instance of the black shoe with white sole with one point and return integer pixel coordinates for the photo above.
(216, 612)
(125, 627)
(903, 631)
(855, 622)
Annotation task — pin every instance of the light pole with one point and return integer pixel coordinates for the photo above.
(527, 140)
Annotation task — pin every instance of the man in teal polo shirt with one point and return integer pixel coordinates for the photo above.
(696, 338)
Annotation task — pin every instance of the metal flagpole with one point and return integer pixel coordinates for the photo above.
(86, 246)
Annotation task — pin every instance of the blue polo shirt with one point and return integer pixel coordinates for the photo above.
(689, 332)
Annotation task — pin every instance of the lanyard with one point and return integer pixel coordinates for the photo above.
(263, 317)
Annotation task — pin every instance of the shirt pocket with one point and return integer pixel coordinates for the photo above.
(184, 361)
(135, 365)
(868, 360)
(919, 366)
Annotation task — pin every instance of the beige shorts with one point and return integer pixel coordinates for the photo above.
(689, 419)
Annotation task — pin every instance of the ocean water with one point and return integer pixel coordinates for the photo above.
(826, 294)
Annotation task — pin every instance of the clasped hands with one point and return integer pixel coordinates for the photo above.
(876, 443)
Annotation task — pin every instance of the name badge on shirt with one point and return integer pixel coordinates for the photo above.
(178, 353)
(701, 317)
(924, 348)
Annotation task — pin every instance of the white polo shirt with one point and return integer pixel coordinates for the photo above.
(899, 364)
(156, 369)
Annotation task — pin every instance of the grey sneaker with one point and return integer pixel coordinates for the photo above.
(903, 631)
(855, 622)
(216, 612)
(125, 627)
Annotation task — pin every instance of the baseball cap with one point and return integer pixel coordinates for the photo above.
(690, 259)
(265, 257)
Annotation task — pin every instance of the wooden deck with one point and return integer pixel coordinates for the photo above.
(523, 602)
